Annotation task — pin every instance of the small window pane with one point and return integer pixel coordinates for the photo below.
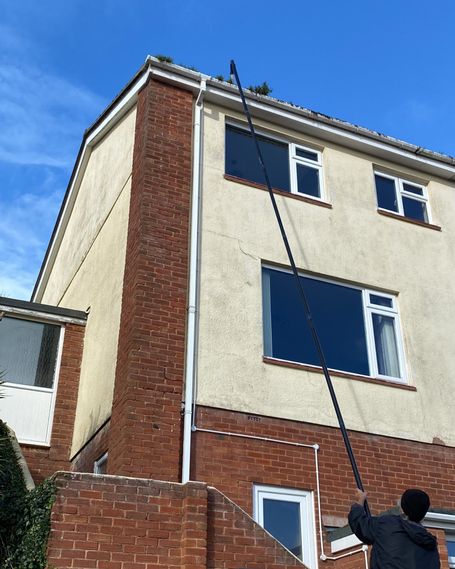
(100, 466)
(308, 180)
(386, 345)
(242, 160)
(306, 154)
(282, 520)
(413, 189)
(386, 193)
(28, 351)
(380, 300)
(415, 209)
(451, 547)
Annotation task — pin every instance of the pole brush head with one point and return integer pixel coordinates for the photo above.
(232, 71)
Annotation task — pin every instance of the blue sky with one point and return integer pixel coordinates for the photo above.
(386, 65)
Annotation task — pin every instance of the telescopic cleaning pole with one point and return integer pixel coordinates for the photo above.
(303, 297)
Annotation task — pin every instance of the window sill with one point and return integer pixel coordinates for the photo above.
(302, 198)
(408, 219)
(318, 369)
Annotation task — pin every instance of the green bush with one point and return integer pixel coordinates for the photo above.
(24, 516)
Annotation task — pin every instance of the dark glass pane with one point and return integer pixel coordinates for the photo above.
(242, 160)
(413, 189)
(380, 300)
(451, 548)
(308, 180)
(386, 193)
(306, 154)
(338, 317)
(386, 345)
(415, 209)
(282, 520)
(28, 351)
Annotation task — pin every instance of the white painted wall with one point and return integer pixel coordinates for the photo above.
(88, 271)
(352, 242)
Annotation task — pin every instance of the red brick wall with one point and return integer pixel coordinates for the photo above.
(388, 466)
(234, 540)
(145, 435)
(41, 461)
(93, 450)
(110, 522)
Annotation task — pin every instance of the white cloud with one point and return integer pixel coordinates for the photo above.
(42, 119)
(25, 226)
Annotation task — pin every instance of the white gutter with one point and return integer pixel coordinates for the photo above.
(190, 367)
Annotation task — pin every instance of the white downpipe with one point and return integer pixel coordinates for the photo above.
(193, 286)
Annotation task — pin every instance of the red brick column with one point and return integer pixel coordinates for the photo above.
(43, 462)
(145, 433)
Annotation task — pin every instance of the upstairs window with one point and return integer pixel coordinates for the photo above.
(291, 167)
(402, 197)
(288, 516)
(358, 328)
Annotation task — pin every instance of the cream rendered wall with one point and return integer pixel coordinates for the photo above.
(88, 271)
(352, 242)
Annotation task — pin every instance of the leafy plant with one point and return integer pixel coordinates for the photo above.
(164, 58)
(263, 89)
(24, 516)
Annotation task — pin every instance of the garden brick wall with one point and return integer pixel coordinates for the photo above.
(43, 461)
(145, 429)
(110, 522)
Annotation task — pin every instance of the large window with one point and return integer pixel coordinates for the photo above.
(358, 328)
(29, 358)
(291, 168)
(402, 197)
(28, 351)
(288, 516)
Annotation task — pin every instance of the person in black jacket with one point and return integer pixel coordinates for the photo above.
(399, 542)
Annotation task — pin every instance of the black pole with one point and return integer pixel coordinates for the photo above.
(301, 290)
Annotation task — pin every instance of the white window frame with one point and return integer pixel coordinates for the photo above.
(52, 390)
(99, 463)
(293, 160)
(401, 192)
(445, 522)
(305, 499)
(451, 559)
(369, 309)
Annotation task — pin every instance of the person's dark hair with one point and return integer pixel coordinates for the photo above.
(415, 504)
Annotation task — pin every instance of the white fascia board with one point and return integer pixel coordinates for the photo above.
(440, 521)
(293, 119)
(41, 316)
(345, 543)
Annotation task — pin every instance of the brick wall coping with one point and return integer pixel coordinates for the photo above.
(129, 480)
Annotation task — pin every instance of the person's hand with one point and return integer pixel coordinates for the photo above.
(360, 497)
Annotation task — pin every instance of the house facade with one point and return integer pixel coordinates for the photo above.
(197, 364)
